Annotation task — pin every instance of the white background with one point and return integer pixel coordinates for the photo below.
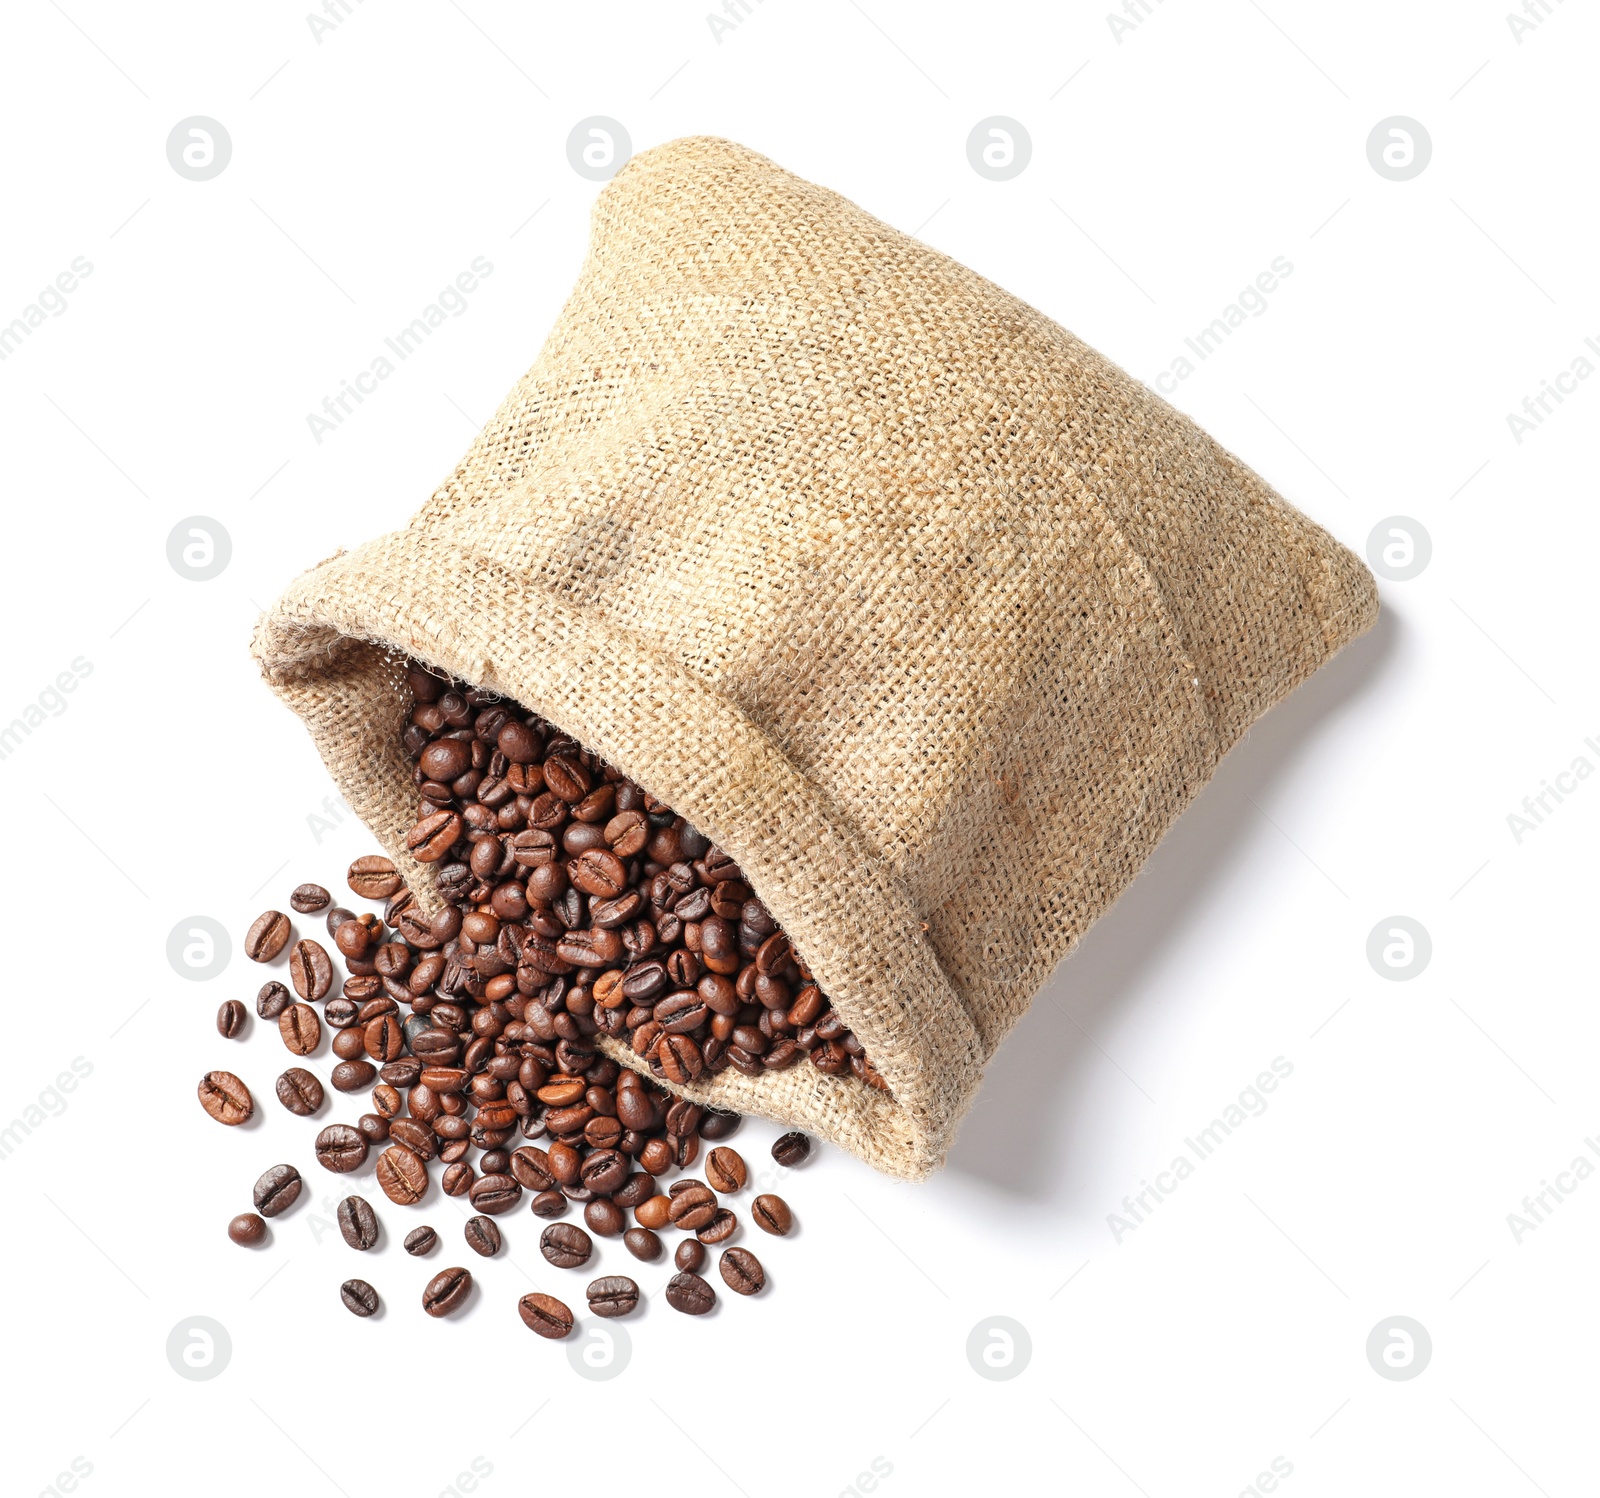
(1168, 168)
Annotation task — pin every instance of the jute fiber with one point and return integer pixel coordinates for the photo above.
(929, 615)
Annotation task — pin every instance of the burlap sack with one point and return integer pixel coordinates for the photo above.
(928, 614)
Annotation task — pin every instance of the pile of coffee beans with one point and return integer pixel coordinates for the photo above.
(568, 884)
(469, 1054)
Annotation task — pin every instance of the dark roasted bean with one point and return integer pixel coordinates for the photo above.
(358, 1223)
(247, 1229)
(272, 1000)
(690, 1255)
(495, 1194)
(566, 1245)
(230, 1019)
(352, 1076)
(693, 1207)
(341, 1148)
(612, 1295)
(359, 1298)
(447, 1291)
(483, 1237)
(643, 1244)
(791, 1149)
(604, 1216)
(307, 899)
(421, 1241)
(277, 1190)
(688, 1293)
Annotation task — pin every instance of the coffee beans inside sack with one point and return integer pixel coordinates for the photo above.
(816, 641)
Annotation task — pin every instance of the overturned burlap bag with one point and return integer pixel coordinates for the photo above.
(929, 615)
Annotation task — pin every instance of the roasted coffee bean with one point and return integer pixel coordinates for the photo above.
(371, 876)
(401, 1174)
(599, 872)
(421, 1241)
(373, 1127)
(353, 940)
(693, 1207)
(495, 1194)
(725, 1170)
(225, 1097)
(230, 1019)
(688, 1293)
(336, 917)
(604, 1171)
(384, 1038)
(654, 1213)
(401, 1073)
(458, 1178)
(352, 1076)
(247, 1229)
(268, 935)
(604, 1216)
(300, 1028)
(549, 1204)
(690, 1255)
(341, 1013)
(791, 1149)
(310, 970)
(358, 1222)
(643, 1244)
(741, 1271)
(272, 1000)
(359, 1298)
(530, 1166)
(657, 1157)
(433, 836)
(348, 1045)
(386, 1100)
(447, 1291)
(722, 1227)
(277, 1190)
(307, 899)
(771, 1213)
(566, 1245)
(299, 1091)
(545, 1315)
(342, 1149)
(612, 1295)
(635, 1191)
(415, 1136)
(483, 1237)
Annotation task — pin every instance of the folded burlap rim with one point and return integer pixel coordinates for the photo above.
(331, 648)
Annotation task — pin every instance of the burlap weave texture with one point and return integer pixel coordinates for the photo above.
(929, 615)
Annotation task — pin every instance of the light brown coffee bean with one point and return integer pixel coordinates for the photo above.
(300, 1028)
(225, 1097)
(373, 877)
(310, 970)
(725, 1170)
(267, 936)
